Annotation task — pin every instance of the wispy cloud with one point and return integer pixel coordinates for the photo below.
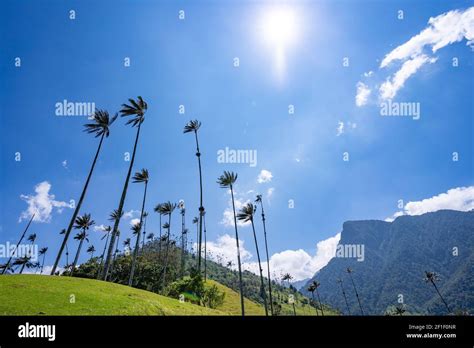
(264, 176)
(362, 94)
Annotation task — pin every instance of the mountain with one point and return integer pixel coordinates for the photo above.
(396, 256)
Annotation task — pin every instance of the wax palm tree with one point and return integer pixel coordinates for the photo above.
(100, 128)
(145, 216)
(167, 209)
(7, 265)
(139, 177)
(150, 236)
(24, 261)
(182, 210)
(42, 252)
(196, 221)
(312, 289)
(63, 231)
(432, 277)
(114, 215)
(126, 243)
(205, 244)
(83, 223)
(158, 209)
(137, 110)
(317, 285)
(107, 230)
(136, 228)
(246, 215)
(259, 200)
(399, 310)
(91, 250)
(344, 294)
(227, 180)
(350, 271)
(288, 277)
(193, 127)
(31, 238)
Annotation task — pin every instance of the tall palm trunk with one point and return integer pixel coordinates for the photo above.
(262, 286)
(103, 254)
(205, 249)
(105, 271)
(314, 301)
(166, 251)
(144, 232)
(442, 299)
(241, 285)
(17, 244)
(182, 243)
(112, 263)
(320, 304)
(357, 294)
(23, 267)
(137, 245)
(42, 264)
(78, 207)
(77, 255)
(159, 244)
(345, 298)
(201, 208)
(268, 259)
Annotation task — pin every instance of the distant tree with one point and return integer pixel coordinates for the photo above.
(350, 271)
(339, 281)
(432, 277)
(42, 252)
(82, 223)
(91, 250)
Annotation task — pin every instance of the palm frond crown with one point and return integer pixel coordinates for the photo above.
(102, 122)
(137, 109)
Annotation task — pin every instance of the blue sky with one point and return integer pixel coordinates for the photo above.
(190, 62)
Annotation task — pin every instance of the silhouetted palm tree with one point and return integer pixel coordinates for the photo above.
(24, 261)
(136, 228)
(150, 236)
(317, 285)
(112, 217)
(432, 277)
(344, 294)
(145, 215)
(158, 209)
(137, 110)
(91, 250)
(349, 271)
(196, 221)
(246, 215)
(7, 267)
(288, 277)
(399, 310)
(193, 127)
(182, 210)
(42, 252)
(100, 128)
(167, 209)
(312, 289)
(83, 223)
(259, 200)
(107, 231)
(139, 177)
(31, 238)
(227, 180)
(126, 243)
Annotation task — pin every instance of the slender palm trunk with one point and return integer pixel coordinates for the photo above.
(345, 298)
(268, 259)
(42, 264)
(106, 269)
(137, 245)
(77, 256)
(144, 232)
(262, 286)
(182, 243)
(115, 254)
(241, 285)
(441, 297)
(314, 301)
(17, 244)
(159, 244)
(166, 251)
(22, 267)
(201, 208)
(103, 254)
(320, 304)
(205, 249)
(357, 294)
(78, 207)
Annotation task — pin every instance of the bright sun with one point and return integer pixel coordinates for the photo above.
(279, 26)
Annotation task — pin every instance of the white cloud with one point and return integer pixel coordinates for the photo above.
(368, 74)
(130, 214)
(299, 263)
(460, 198)
(100, 227)
(392, 85)
(64, 164)
(225, 249)
(228, 215)
(443, 30)
(134, 221)
(42, 203)
(264, 176)
(363, 93)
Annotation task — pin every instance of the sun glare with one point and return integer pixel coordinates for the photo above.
(279, 26)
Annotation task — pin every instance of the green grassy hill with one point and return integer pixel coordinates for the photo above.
(48, 295)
